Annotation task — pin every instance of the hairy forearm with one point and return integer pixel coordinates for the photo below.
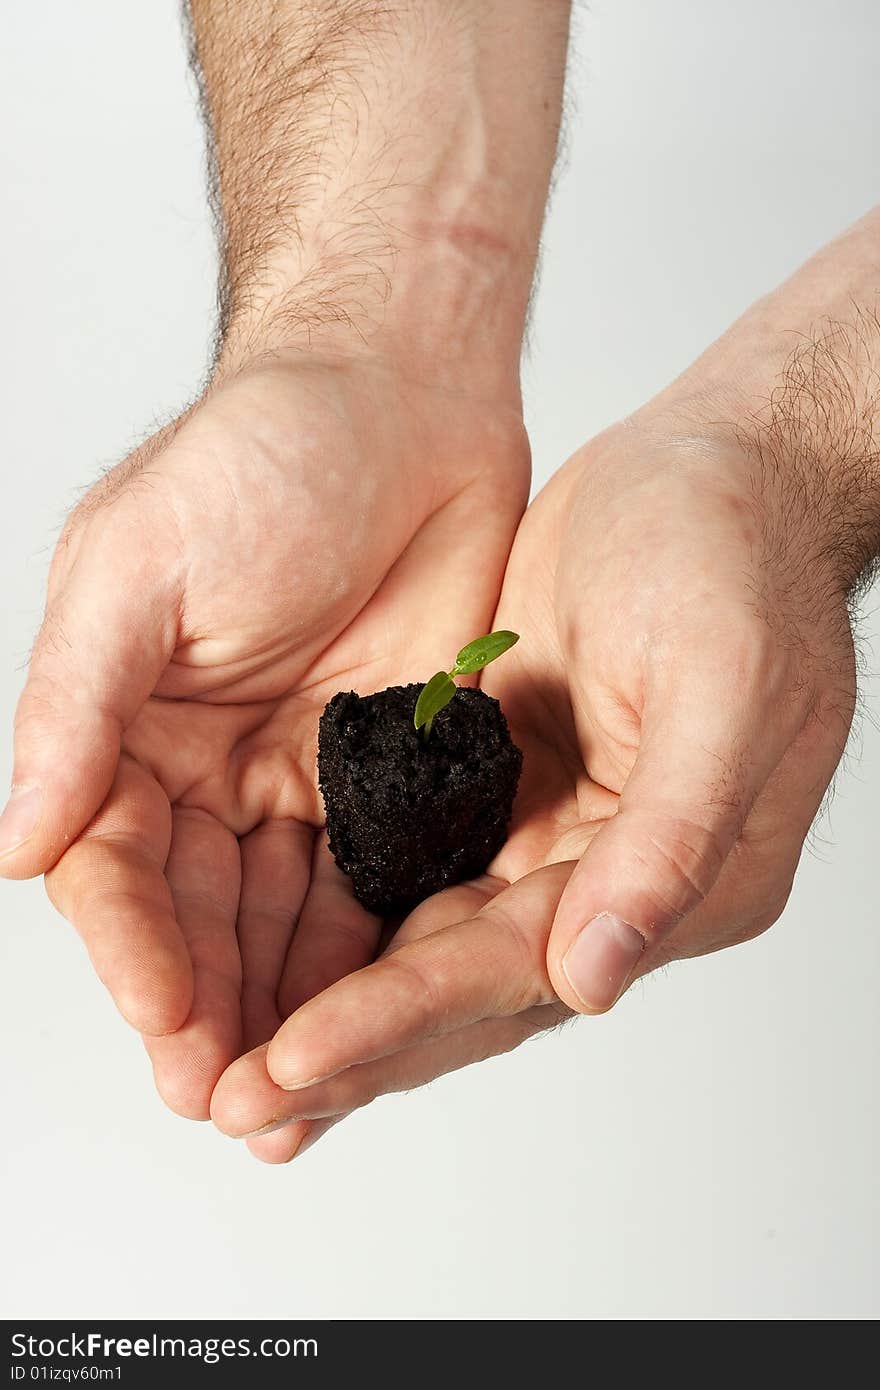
(382, 167)
(797, 379)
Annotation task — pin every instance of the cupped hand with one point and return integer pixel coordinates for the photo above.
(310, 525)
(682, 691)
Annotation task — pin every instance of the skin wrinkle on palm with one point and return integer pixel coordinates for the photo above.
(372, 310)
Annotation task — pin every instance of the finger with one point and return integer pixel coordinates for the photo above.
(291, 1140)
(111, 885)
(248, 1097)
(247, 1103)
(417, 1066)
(702, 762)
(109, 630)
(491, 965)
(276, 861)
(334, 936)
(444, 909)
(296, 1136)
(204, 875)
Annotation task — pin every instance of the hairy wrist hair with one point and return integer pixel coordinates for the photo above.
(793, 390)
(816, 449)
(379, 164)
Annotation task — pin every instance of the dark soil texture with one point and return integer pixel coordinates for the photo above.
(406, 815)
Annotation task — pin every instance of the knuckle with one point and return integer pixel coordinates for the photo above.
(528, 981)
(680, 861)
(421, 987)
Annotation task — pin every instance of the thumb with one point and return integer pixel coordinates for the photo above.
(109, 630)
(681, 811)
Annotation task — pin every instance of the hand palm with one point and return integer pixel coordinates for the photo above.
(342, 512)
(579, 691)
(655, 589)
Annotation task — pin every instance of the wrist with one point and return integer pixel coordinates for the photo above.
(794, 416)
(446, 303)
(382, 172)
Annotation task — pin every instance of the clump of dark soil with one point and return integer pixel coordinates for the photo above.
(409, 815)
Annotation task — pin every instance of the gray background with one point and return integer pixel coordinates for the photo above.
(708, 1151)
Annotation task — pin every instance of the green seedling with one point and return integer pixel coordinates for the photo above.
(439, 690)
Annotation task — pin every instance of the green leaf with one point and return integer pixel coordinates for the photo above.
(481, 651)
(433, 697)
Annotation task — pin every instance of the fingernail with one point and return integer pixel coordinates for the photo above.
(19, 819)
(271, 1128)
(302, 1085)
(599, 963)
(290, 1078)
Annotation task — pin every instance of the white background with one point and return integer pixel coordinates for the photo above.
(711, 1149)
